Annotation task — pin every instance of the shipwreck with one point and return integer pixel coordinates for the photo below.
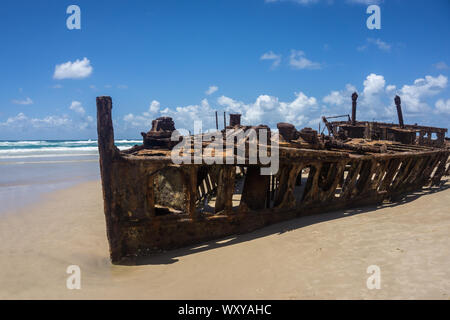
(152, 204)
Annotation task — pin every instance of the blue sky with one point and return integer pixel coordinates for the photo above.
(272, 61)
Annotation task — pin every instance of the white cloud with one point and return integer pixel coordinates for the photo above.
(264, 110)
(375, 102)
(144, 120)
(298, 61)
(384, 46)
(77, 107)
(154, 106)
(412, 95)
(276, 58)
(373, 84)
(340, 98)
(27, 101)
(443, 106)
(390, 88)
(122, 86)
(84, 120)
(269, 110)
(22, 121)
(441, 66)
(211, 90)
(57, 86)
(78, 69)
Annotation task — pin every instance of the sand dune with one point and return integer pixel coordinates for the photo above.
(317, 257)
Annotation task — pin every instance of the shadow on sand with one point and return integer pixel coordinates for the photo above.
(171, 256)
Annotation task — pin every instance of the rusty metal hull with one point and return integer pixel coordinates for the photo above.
(141, 220)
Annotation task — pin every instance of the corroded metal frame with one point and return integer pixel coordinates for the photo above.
(336, 179)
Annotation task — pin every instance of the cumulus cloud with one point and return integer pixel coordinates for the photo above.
(84, 121)
(22, 121)
(78, 69)
(340, 98)
(271, 56)
(270, 110)
(211, 90)
(375, 102)
(443, 106)
(441, 66)
(376, 98)
(77, 107)
(26, 101)
(298, 60)
(384, 46)
(413, 95)
(143, 120)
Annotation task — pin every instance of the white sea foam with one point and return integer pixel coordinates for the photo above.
(49, 149)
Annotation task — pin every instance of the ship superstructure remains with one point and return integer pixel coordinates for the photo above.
(153, 204)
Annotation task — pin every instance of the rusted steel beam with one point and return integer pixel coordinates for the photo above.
(350, 181)
(440, 170)
(365, 176)
(288, 177)
(311, 193)
(190, 190)
(378, 175)
(415, 171)
(347, 146)
(428, 171)
(392, 170)
(225, 189)
(403, 173)
(336, 178)
(255, 188)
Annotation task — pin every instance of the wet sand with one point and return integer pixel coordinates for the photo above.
(318, 257)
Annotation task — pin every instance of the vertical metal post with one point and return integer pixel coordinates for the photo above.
(354, 98)
(398, 104)
(224, 120)
(217, 122)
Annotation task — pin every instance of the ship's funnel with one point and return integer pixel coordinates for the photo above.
(235, 119)
(398, 104)
(354, 98)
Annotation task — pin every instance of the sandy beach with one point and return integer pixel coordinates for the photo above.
(318, 257)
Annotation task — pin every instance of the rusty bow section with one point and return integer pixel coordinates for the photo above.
(152, 204)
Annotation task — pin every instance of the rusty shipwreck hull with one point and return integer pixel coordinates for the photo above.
(152, 204)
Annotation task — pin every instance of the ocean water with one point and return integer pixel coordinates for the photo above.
(29, 169)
